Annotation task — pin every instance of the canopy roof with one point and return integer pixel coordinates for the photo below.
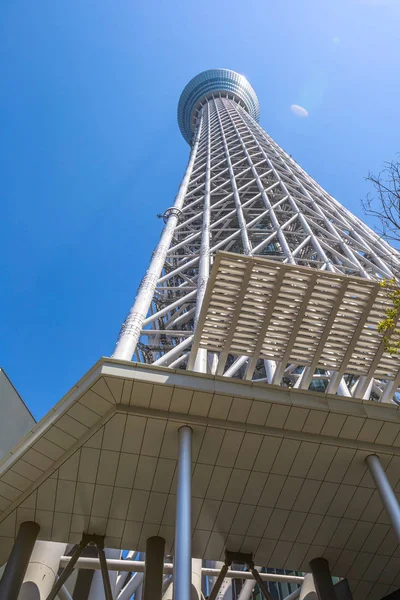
(276, 471)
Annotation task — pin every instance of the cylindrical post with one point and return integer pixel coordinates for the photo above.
(18, 560)
(183, 523)
(204, 263)
(154, 568)
(132, 326)
(385, 491)
(322, 579)
(42, 570)
(197, 565)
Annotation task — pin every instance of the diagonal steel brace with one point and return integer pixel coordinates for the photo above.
(105, 574)
(96, 540)
(261, 583)
(220, 579)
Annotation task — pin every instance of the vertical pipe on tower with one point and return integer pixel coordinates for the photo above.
(204, 262)
(131, 328)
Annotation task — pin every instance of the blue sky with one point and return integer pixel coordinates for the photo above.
(91, 152)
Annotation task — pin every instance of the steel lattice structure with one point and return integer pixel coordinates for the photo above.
(241, 193)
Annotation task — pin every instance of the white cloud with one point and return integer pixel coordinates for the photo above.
(299, 111)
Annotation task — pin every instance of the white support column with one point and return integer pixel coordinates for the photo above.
(204, 263)
(183, 524)
(42, 570)
(197, 564)
(132, 326)
(386, 492)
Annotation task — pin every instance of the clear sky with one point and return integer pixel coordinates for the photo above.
(90, 149)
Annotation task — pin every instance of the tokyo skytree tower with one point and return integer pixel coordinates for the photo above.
(261, 282)
(243, 194)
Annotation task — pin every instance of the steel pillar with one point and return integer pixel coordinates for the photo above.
(18, 561)
(386, 493)
(130, 330)
(42, 570)
(154, 568)
(322, 579)
(183, 524)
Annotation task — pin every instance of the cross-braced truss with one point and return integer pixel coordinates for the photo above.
(242, 193)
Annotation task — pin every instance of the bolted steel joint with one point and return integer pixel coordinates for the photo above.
(173, 210)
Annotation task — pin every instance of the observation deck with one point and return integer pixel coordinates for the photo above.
(209, 82)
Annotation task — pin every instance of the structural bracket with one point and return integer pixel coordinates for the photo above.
(244, 559)
(87, 540)
(173, 210)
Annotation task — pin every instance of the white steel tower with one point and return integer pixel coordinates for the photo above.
(243, 194)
